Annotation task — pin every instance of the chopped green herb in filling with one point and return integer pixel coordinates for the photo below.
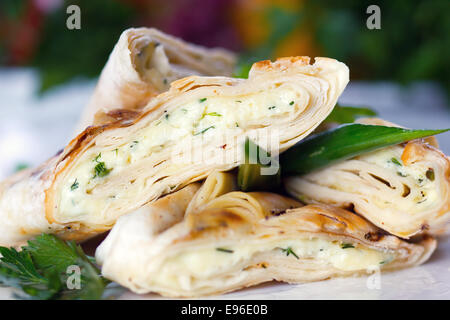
(347, 245)
(100, 169)
(75, 185)
(272, 107)
(224, 250)
(204, 130)
(133, 144)
(97, 157)
(202, 100)
(289, 251)
(214, 114)
(395, 161)
(291, 103)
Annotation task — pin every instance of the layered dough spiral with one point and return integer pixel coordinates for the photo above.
(228, 240)
(142, 65)
(114, 169)
(403, 189)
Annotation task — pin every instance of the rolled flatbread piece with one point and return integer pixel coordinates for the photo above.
(142, 65)
(242, 239)
(181, 136)
(403, 189)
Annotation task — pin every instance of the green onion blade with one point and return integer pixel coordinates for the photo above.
(344, 142)
(343, 114)
(250, 177)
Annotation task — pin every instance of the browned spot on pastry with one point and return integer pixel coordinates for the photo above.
(186, 85)
(77, 144)
(201, 86)
(213, 221)
(122, 114)
(334, 219)
(262, 265)
(374, 236)
(349, 207)
(281, 63)
(424, 227)
(277, 212)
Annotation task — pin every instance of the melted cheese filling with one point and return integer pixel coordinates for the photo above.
(422, 192)
(197, 119)
(209, 262)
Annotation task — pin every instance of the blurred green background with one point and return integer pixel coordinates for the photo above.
(413, 43)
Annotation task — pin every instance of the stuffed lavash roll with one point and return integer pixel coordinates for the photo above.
(142, 65)
(403, 189)
(230, 240)
(180, 137)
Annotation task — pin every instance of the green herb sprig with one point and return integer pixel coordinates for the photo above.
(40, 270)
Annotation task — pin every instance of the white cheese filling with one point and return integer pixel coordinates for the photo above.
(195, 119)
(207, 262)
(423, 195)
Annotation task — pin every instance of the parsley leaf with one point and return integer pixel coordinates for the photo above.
(40, 270)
